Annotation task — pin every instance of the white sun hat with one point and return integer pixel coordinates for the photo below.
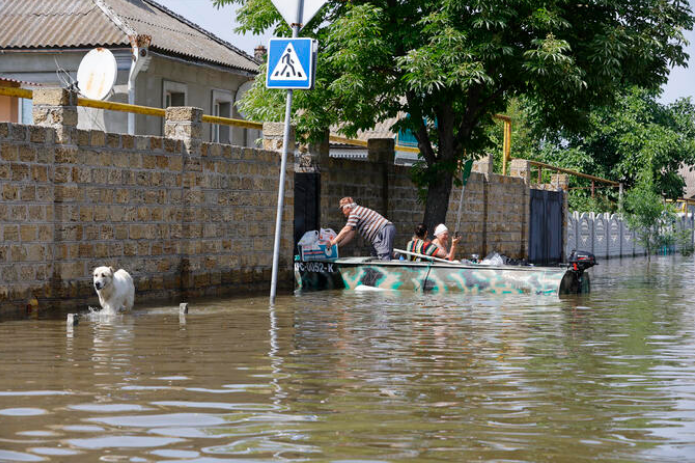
(441, 228)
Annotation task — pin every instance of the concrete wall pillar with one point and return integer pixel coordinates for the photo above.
(274, 134)
(521, 168)
(560, 181)
(56, 108)
(381, 150)
(313, 155)
(484, 165)
(185, 123)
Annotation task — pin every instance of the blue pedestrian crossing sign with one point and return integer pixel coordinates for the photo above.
(291, 63)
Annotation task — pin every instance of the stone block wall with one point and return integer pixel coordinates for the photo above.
(185, 218)
(494, 213)
(494, 217)
(26, 211)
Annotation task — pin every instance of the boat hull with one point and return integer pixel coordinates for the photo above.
(353, 273)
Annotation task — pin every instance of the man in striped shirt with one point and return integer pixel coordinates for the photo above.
(370, 224)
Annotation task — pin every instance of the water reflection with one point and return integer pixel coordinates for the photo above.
(363, 377)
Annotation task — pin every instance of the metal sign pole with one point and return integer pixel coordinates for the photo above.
(283, 168)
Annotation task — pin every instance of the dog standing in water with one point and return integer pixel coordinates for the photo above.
(115, 289)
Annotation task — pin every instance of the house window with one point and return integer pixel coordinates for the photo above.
(174, 94)
(222, 107)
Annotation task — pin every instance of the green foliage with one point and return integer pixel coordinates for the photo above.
(634, 139)
(629, 141)
(458, 63)
(684, 239)
(579, 201)
(649, 217)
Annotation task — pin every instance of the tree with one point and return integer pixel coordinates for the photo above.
(451, 64)
(636, 136)
(648, 216)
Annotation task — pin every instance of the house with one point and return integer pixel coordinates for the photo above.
(162, 60)
(382, 129)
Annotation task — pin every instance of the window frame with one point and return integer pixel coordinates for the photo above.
(169, 87)
(218, 96)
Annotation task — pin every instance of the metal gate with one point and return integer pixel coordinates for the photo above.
(545, 228)
(307, 188)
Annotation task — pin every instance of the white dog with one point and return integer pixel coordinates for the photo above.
(115, 289)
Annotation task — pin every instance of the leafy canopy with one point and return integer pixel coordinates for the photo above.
(635, 140)
(451, 64)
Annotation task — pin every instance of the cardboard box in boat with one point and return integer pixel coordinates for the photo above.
(318, 251)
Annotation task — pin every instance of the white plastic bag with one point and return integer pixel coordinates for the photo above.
(493, 259)
(309, 238)
(326, 234)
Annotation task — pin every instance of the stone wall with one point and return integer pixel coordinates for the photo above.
(494, 212)
(185, 218)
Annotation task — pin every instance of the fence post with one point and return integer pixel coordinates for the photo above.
(312, 156)
(56, 108)
(561, 181)
(382, 151)
(186, 124)
(521, 168)
(484, 165)
(273, 134)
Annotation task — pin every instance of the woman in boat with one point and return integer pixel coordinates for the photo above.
(421, 245)
(441, 240)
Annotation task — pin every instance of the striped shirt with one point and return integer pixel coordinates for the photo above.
(419, 246)
(368, 222)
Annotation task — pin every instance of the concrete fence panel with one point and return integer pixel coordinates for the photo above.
(628, 240)
(608, 236)
(600, 235)
(585, 232)
(615, 236)
(571, 233)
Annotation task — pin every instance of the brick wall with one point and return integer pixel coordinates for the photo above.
(184, 219)
(190, 219)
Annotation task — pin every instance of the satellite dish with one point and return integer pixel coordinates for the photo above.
(96, 75)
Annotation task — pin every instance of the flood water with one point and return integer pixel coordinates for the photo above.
(366, 377)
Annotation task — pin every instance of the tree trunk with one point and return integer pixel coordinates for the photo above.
(438, 201)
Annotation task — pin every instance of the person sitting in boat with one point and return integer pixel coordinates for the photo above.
(421, 245)
(373, 227)
(441, 240)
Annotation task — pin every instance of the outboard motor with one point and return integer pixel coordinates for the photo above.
(576, 281)
(581, 260)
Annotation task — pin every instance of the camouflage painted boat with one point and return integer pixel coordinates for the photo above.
(353, 272)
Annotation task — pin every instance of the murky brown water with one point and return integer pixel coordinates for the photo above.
(366, 377)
